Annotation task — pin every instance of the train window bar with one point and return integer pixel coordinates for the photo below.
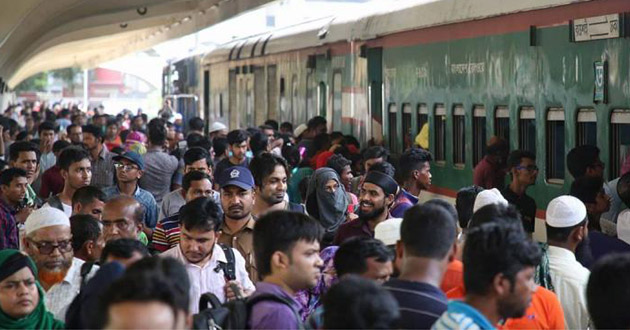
(527, 129)
(619, 140)
(555, 146)
(586, 127)
(502, 123)
(459, 136)
(392, 110)
(406, 126)
(479, 133)
(440, 135)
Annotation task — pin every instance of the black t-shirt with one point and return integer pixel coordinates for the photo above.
(525, 205)
(225, 163)
(420, 304)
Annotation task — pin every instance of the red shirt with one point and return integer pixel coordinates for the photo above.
(52, 182)
(488, 175)
(454, 276)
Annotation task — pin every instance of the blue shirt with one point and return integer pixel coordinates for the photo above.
(403, 201)
(421, 304)
(273, 314)
(143, 197)
(460, 315)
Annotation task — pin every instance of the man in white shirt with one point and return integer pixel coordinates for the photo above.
(48, 241)
(207, 264)
(567, 223)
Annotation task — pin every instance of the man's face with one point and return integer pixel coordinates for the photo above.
(602, 202)
(90, 141)
(118, 222)
(196, 245)
(199, 188)
(305, 265)
(76, 135)
(79, 174)
(199, 165)
(16, 190)
(144, 315)
(239, 150)
(370, 162)
(596, 169)
(270, 134)
(372, 201)
(378, 271)
(323, 128)
(127, 171)
(517, 296)
(27, 160)
(47, 137)
(237, 202)
(274, 186)
(18, 294)
(138, 123)
(346, 176)
(29, 123)
(51, 249)
(424, 176)
(94, 208)
(526, 172)
(112, 131)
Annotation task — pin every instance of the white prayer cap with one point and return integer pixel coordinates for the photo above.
(565, 211)
(623, 226)
(45, 217)
(388, 231)
(487, 197)
(216, 126)
(299, 130)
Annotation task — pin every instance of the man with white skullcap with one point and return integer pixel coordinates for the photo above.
(566, 228)
(48, 240)
(217, 129)
(488, 197)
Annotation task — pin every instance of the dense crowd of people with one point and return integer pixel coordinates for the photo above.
(125, 222)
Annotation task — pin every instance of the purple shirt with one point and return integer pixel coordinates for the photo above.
(8, 227)
(403, 201)
(272, 314)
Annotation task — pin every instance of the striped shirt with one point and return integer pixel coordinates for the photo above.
(103, 169)
(462, 316)
(420, 304)
(166, 233)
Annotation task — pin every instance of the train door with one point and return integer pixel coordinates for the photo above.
(337, 102)
(375, 90)
(272, 92)
(260, 115)
(206, 99)
(232, 107)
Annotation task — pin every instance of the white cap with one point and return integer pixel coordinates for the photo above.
(299, 130)
(45, 217)
(388, 231)
(216, 126)
(487, 197)
(565, 211)
(623, 226)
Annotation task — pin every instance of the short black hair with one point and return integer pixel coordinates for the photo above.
(201, 214)
(500, 147)
(272, 123)
(496, 213)
(265, 126)
(412, 160)
(123, 248)
(428, 231)
(280, 231)
(580, 158)
(237, 136)
(47, 126)
(358, 303)
(7, 176)
(194, 176)
(562, 234)
(94, 130)
(60, 145)
(71, 126)
(516, 156)
(202, 142)
(220, 145)
(84, 228)
(338, 163)
(315, 122)
(258, 143)
(264, 164)
(23, 146)
(157, 131)
(71, 155)
(446, 206)
(196, 124)
(608, 292)
(496, 248)
(464, 203)
(196, 154)
(352, 255)
(321, 141)
(384, 167)
(292, 155)
(86, 195)
(375, 152)
(287, 126)
(586, 188)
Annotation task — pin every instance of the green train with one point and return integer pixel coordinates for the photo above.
(546, 75)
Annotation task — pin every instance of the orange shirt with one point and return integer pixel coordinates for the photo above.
(454, 276)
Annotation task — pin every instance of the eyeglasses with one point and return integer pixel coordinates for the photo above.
(120, 166)
(531, 168)
(48, 247)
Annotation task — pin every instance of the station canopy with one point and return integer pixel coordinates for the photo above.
(40, 35)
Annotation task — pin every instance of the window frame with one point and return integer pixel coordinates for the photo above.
(439, 145)
(479, 138)
(392, 111)
(554, 114)
(618, 117)
(584, 115)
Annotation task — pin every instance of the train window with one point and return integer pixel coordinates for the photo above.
(406, 126)
(586, 127)
(423, 118)
(294, 100)
(479, 133)
(393, 132)
(555, 145)
(439, 149)
(322, 99)
(527, 129)
(272, 92)
(619, 140)
(337, 101)
(310, 100)
(459, 130)
(502, 123)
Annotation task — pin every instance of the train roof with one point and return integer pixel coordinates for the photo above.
(385, 18)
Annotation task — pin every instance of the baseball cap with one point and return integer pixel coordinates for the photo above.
(565, 211)
(388, 231)
(487, 197)
(237, 176)
(133, 157)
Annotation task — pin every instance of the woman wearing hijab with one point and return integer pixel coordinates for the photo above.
(21, 296)
(326, 201)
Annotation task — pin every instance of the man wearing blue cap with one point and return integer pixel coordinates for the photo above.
(237, 201)
(129, 169)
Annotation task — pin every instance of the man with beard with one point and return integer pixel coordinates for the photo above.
(48, 240)
(416, 175)
(75, 133)
(123, 217)
(522, 166)
(376, 196)
(237, 228)
(270, 174)
(499, 267)
(76, 171)
(25, 155)
(206, 261)
(102, 162)
(13, 186)
(567, 227)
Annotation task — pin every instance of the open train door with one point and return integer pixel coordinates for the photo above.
(186, 105)
(375, 92)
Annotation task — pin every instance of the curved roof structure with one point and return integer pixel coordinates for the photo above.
(39, 35)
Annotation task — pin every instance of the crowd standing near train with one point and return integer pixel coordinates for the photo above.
(188, 229)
